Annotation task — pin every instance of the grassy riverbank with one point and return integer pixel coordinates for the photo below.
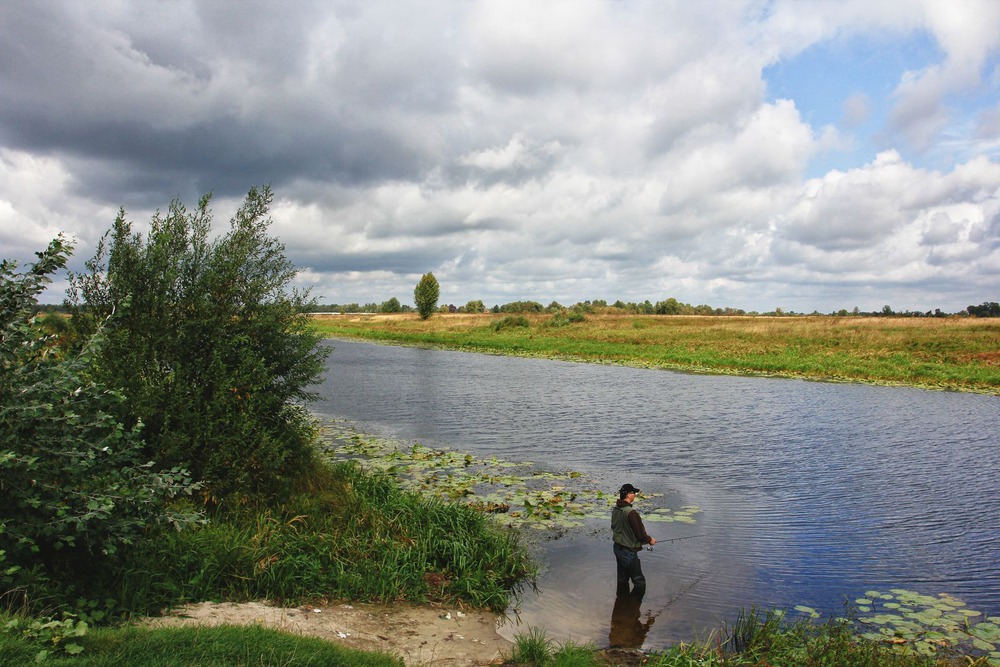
(353, 535)
(757, 639)
(959, 354)
(182, 647)
(344, 535)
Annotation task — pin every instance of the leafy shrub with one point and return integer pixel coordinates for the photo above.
(562, 319)
(56, 637)
(509, 322)
(212, 348)
(76, 487)
(522, 307)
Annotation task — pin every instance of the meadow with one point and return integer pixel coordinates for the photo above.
(956, 354)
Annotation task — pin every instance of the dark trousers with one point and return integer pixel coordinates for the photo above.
(629, 569)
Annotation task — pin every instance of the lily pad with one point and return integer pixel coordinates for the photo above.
(535, 498)
(812, 613)
(982, 645)
(925, 624)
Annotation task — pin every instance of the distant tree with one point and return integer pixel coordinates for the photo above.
(522, 307)
(987, 309)
(209, 343)
(887, 311)
(425, 295)
(670, 306)
(476, 306)
(392, 305)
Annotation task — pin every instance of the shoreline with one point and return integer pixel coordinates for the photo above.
(956, 355)
(442, 635)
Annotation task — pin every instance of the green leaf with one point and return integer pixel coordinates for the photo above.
(982, 645)
(807, 610)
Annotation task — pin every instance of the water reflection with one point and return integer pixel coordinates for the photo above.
(810, 493)
(628, 628)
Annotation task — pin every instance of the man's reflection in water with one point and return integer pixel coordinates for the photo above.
(627, 631)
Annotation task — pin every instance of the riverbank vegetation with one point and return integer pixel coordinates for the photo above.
(343, 535)
(756, 638)
(222, 646)
(960, 354)
(155, 450)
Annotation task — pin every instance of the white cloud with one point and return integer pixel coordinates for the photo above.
(521, 150)
(967, 32)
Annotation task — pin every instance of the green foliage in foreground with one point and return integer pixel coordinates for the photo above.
(209, 342)
(222, 646)
(75, 487)
(348, 535)
(534, 648)
(755, 639)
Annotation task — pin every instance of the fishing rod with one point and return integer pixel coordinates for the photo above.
(649, 547)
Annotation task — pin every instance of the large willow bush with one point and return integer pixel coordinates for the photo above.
(210, 343)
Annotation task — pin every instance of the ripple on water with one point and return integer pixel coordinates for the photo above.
(811, 493)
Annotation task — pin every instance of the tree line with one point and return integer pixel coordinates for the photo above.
(669, 306)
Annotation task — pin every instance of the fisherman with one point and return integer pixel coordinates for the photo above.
(629, 535)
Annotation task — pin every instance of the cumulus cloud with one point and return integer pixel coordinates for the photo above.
(968, 33)
(520, 150)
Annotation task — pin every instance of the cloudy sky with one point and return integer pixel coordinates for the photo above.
(807, 155)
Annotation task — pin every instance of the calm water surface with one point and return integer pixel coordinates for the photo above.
(811, 493)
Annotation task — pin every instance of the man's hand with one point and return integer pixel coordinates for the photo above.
(652, 541)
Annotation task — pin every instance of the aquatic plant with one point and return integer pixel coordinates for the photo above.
(516, 493)
(928, 624)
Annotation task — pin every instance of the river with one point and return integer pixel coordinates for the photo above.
(809, 493)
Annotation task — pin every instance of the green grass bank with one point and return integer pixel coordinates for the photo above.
(346, 534)
(956, 354)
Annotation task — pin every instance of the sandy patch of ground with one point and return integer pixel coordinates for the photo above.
(428, 636)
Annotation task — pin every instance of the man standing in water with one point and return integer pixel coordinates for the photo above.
(629, 535)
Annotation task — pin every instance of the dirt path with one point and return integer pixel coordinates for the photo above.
(427, 636)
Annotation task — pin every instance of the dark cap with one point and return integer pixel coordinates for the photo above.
(627, 489)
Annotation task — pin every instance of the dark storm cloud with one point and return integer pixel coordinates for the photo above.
(403, 262)
(526, 150)
(162, 121)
